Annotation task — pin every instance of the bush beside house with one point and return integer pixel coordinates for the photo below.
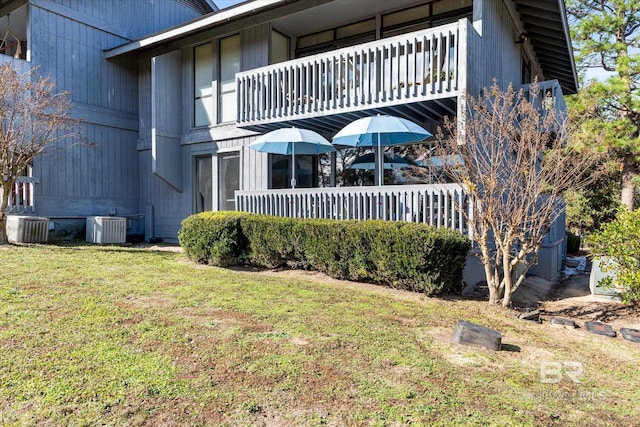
(617, 248)
(402, 255)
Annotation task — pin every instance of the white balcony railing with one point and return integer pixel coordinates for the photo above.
(412, 67)
(440, 205)
(21, 199)
(549, 95)
(20, 65)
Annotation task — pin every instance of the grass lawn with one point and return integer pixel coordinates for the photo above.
(124, 336)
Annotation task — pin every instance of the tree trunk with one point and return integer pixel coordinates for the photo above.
(494, 294)
(506, 300)
(507, 270)
(629, 171)
(493, 282)
(6, 192)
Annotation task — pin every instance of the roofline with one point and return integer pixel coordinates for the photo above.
(212, 4)
(567, 34)
(225, 15)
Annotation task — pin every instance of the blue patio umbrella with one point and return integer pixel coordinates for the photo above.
(292, 141)
(380, 131)
(367, 162)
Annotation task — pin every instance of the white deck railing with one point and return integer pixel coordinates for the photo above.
(20, 65)
(549, 95)
(21, 199)
(440, 205)
(412, 67)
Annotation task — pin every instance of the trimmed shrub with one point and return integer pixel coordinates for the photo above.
(409, 256)
(270, 241)
(213, 238)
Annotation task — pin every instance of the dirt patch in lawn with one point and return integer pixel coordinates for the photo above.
(572, 299)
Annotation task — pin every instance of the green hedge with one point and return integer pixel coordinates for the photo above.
(403, 255)
(213, 238)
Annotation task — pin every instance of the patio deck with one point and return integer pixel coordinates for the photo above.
(439, 205)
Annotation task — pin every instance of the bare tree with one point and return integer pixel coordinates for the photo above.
(32, 117)
(515, 163)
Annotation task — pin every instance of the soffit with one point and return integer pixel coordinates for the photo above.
(545, 23)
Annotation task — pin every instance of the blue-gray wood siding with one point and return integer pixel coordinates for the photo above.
(166, 117)
(170, 207)
(66, 39)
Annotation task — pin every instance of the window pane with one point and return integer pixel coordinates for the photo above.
(229, 66)
(203, 88)
(306, 171)
(204, 184)
(279, 47)
(203, 111)
(355, 29)
(229, 171)
(317, 38)
(406, 15)
(203, 58)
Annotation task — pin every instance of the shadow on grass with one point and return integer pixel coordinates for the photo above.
(510, 348)
(165, 249)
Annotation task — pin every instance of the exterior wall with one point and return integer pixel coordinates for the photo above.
(165, 205)
(66, 39)
(492, 51)
(169, 206)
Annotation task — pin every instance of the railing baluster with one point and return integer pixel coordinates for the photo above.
(390, 70)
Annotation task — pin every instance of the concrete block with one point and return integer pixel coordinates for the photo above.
(467, 333)
(600, 329)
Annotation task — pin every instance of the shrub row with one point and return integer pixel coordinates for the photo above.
(403, 255)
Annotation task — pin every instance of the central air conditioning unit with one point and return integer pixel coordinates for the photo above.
(27, 229)
(106, 229)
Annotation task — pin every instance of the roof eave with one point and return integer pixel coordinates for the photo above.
(567, 32)
(194, 26)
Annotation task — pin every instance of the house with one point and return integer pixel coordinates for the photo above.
(66, 40)
(207, 87)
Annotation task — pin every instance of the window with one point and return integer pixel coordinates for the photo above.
(228, 180)
(229, 66)
(346, 35)
(279, 47)
(203, 88)
(203, 184)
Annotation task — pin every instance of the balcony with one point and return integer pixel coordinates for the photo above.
(549, 96)
(440, 205)
(395, 74)
(21, 198)
(20, 65)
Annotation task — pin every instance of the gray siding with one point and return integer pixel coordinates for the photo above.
(66, 39)
(166, 117)
(493, 54)
(255, 46)
(170, 206)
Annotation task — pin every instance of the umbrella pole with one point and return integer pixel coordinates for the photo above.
(380, 162)
(293, 165)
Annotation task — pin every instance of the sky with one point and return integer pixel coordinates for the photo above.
(223, 4)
